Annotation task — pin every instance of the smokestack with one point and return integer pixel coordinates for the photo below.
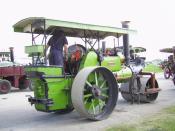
(11, 54)
(126, 42)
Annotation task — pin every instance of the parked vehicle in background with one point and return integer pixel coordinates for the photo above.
(169, 65)
(11, 73)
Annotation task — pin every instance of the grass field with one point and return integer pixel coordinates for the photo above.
(152, 68)
(162, 121)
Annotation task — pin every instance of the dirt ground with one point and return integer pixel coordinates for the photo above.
(16, 114)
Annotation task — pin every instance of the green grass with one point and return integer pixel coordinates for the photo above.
(123, 128)
(162, 121)
(152, 68)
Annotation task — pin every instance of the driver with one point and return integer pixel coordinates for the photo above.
(57, 42)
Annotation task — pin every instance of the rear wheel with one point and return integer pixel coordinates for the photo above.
(94, 93)
(5, 86)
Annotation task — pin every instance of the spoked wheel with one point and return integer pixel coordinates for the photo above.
(94, 93)
(5, 86)
(167, 72)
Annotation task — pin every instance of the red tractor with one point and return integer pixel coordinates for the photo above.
(11, 74)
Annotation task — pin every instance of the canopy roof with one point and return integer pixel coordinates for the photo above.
(71, 29)
(167, 50)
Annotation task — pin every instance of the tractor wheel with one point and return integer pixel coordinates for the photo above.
(94, 93)
(5, 86)
(25, 83)
(167, 72)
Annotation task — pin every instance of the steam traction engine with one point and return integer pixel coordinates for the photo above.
(88, 82)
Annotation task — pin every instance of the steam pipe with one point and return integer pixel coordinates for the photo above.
(126, 43)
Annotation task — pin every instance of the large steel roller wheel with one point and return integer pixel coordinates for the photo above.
(94, 93)
(131, 92)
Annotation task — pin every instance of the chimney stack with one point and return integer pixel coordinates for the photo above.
(126, 42)
(11, 54)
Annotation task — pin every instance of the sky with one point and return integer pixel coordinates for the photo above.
(154, 20)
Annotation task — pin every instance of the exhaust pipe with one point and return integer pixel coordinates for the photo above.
(126, 43)
(11, 54)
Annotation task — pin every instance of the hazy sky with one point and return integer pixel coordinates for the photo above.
(153, 19)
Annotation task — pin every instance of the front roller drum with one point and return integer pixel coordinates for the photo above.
(136, 94)
(94, 93)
